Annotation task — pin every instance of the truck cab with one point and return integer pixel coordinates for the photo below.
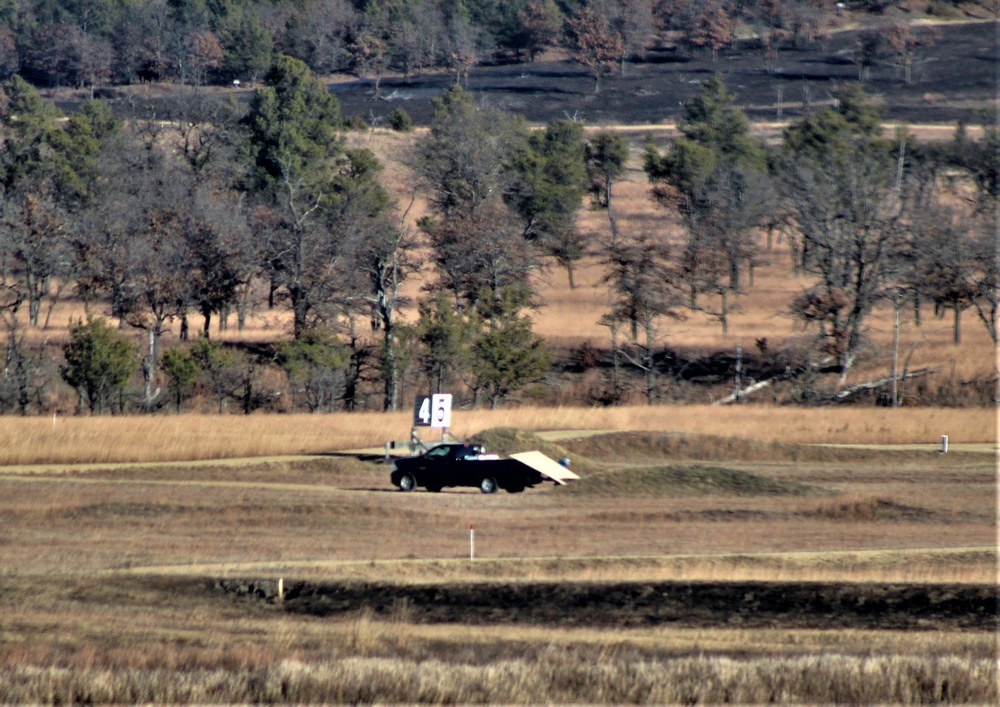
(451, 464)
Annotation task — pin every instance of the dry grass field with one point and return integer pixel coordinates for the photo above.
(111, 575)
(101, 440)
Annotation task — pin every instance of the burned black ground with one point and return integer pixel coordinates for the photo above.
(953, 79)
(784, 605)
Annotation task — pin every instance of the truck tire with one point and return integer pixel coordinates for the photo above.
(488, 485)
(407, 482)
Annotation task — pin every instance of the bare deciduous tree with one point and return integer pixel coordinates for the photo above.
(715, 29)
(594, 44)
(849, 215)
(906, 43)
(34, 245)
(643, 290)
(942, 259)
(986, 274)
(480, 254)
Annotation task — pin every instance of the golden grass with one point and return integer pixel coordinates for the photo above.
(557, 678)
(935, 565)
(81, 440)
(70, 640)
(323, 516)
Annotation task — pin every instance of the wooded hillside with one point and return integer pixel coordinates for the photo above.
(427, 275)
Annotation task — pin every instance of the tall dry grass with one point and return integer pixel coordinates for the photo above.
(926, 566)
(558, 676)
(81, 440)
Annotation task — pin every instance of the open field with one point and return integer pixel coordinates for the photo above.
(98, 440)
(681, 568)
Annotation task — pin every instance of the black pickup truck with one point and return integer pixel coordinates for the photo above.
(459, 464)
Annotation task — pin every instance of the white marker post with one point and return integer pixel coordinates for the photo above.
(472, 542)
(944, 444)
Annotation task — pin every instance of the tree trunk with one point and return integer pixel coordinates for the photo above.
(724, 313)
(242, 306)
(616, 362)
(150, 364)
(299, 310)
(390, 371)
(34, 300)
(53, 301)
(895, 351)
(739, 374)
(648, 363)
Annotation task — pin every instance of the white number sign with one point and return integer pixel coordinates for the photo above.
(433, 411)
(441, 410)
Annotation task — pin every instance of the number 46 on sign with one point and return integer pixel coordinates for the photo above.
(432, 411)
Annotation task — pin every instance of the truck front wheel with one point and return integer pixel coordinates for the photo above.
(407, 482)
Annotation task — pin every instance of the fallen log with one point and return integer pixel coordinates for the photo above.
(742, 393)
(739, 395)
(844, 394)
(839, 396)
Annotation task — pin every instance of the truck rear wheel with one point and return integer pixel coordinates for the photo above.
(488, 485)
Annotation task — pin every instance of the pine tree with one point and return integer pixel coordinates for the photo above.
(99, 362)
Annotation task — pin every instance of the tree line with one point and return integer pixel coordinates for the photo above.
(225, 209)
(97, 43)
